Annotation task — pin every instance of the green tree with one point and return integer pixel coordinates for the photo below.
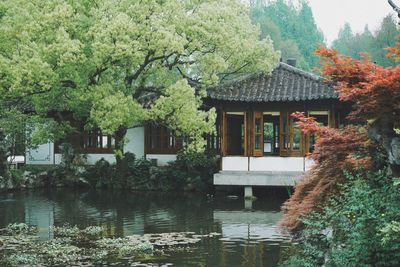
(345, 41)
(99, 60)
(293, 29)
(352, 44)
(385, 37)
(307, 34)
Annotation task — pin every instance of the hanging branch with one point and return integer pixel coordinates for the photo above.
(395, 8)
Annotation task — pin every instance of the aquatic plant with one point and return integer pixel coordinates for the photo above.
(20, 259)
(74, 246)
(57, 251)
(20, 228)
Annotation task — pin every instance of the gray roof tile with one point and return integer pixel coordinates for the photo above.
(285, 83)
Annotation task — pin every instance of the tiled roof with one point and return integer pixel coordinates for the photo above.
(285, 83)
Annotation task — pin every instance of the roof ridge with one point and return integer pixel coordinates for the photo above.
(301, 72)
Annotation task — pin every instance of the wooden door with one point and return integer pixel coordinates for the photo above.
(258, 134)
(292, 140)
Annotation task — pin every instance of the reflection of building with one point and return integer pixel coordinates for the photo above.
(40, 212)
(45, 213)
(253, 236)
(247, 225)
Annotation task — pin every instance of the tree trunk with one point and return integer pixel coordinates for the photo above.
(382, 132)
(119, 148)
(4, 168)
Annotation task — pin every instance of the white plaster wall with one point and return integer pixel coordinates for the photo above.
(135, 143)
(235, 164)
(42, 155)
(277, 164)
(162, 160)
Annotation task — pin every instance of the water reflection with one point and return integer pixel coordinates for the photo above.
(249, 233)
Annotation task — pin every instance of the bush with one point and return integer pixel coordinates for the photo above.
(100, 174)
(359, 227)
(194, 171)
(189, 172)
(139, 172)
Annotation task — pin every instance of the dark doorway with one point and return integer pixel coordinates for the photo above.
(235, 134)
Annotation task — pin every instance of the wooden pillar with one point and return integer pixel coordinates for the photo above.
(224, 136)
(249, 132)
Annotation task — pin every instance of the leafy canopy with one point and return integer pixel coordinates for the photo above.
(291, 27)
(374, 92)
(374, 43)
(103, 60)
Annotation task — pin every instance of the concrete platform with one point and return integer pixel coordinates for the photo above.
(257, 178)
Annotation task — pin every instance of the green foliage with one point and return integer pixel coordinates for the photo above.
(352, 44)
(140, 174)
(71, 168)
(121, 247)
(293, 29)
(88, 234)
(191, 171)
(196, 170)
(58, 252)
(100, 174)
(16, 177)
(22, 259)
(115, 110)
(20, 229)
(99, 60)
(359, 227)
(68, 246)
(180, 110)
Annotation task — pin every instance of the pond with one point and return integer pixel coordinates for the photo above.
(249, 232)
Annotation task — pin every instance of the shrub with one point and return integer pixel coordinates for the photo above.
(358, 227)
(195, 170)
(139, 172)
(189, 172)
(100, 174)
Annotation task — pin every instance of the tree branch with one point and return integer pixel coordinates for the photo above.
(395, 7)
(225, 75)
(192, 82)
(95, 77)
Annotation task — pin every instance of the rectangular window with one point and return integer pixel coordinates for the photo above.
(95, 142)
(214, 140)
(161, 140)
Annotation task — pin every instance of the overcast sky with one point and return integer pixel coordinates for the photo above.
(330, 15)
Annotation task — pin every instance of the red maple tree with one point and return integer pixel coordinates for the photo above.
(374, 93)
